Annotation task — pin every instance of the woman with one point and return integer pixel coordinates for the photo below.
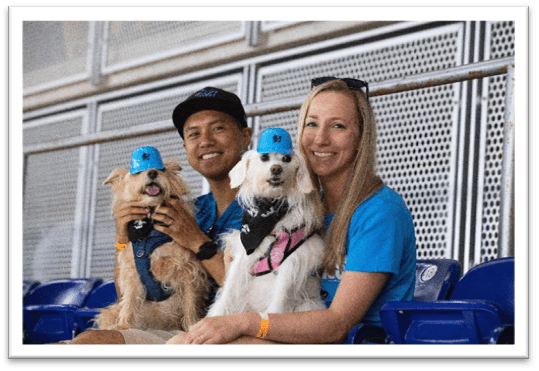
(370, 242)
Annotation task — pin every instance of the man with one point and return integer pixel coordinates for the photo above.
(213, 125)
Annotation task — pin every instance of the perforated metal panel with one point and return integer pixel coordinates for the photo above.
(54, 51)
(502, 44)
(57, 127)
(416, 157)
(132, 42)
(150, 108)
(416, 130)
(50, 200)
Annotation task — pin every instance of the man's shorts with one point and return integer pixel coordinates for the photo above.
(134, 336)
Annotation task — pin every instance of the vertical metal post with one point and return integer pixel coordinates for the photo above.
(95, 51)
(506, 242)
(253, 31)
(80, 224)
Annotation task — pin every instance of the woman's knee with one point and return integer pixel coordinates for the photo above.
(99, 337)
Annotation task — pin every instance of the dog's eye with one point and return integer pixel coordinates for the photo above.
(287, 158)
(264, 157)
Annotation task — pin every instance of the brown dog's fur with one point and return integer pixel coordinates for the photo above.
(174, 266)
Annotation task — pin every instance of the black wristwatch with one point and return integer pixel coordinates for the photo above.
(207, 250)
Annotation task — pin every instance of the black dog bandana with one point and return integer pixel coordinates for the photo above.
(145, 240)
(258, 221)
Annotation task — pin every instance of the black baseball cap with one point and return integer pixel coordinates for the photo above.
(209, 98)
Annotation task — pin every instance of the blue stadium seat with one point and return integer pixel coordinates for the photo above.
(47, 310)
(434, 280)
(480, 311)
(101, 297)
(64, 292)
(28, 286)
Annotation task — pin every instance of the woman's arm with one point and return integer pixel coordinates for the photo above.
(355, 294)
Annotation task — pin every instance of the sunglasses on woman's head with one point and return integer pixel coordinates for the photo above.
(353, 84)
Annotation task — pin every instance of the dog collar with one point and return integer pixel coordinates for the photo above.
(285, 244)
(142, 249)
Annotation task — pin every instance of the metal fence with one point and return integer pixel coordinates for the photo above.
(442, 143)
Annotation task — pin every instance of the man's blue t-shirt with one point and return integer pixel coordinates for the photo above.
(213, 227)
(381, 238)
(206, 216)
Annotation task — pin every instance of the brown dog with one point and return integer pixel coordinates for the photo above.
(174, 268)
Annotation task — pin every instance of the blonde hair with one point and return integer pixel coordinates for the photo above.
(362, 182)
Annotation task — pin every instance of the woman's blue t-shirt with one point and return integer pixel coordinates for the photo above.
(380, 238)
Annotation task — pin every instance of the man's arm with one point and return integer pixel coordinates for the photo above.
(184, 230)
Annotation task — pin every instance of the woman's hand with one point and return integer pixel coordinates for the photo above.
(213, 330)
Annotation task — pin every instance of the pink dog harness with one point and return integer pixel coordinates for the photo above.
(285, 244)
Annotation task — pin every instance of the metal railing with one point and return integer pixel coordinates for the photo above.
(426, 80)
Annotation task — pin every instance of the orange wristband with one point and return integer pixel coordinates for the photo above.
(121, 246)
(264, 325)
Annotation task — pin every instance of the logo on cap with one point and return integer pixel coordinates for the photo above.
(275, 140)
(206, 94)
(145, 158)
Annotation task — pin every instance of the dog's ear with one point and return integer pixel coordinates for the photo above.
(115, 176)
(173, 165)
(303, 177)
(239, 172)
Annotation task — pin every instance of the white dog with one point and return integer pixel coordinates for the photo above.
(278, 252)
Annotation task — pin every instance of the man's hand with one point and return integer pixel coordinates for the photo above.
(179, 224)
(125, 213)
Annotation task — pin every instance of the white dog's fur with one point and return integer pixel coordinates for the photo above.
(292, 286)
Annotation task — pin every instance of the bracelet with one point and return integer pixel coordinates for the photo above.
(121, 246)
(264, 325)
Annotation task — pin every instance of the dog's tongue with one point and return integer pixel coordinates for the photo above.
(153, 190)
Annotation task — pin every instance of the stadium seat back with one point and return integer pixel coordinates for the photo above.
(493, 281)
(102, 296)
(436, 278)
(28, 286)
(66, 292)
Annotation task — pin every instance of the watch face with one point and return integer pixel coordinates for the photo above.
(207, 250)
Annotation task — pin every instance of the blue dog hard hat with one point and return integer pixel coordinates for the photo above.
(145, 158)
(275, 140)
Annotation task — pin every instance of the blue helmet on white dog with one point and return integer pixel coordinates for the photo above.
(275, 140)
(145, 158)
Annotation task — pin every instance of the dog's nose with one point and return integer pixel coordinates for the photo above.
(276, 169)
(152, 174)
